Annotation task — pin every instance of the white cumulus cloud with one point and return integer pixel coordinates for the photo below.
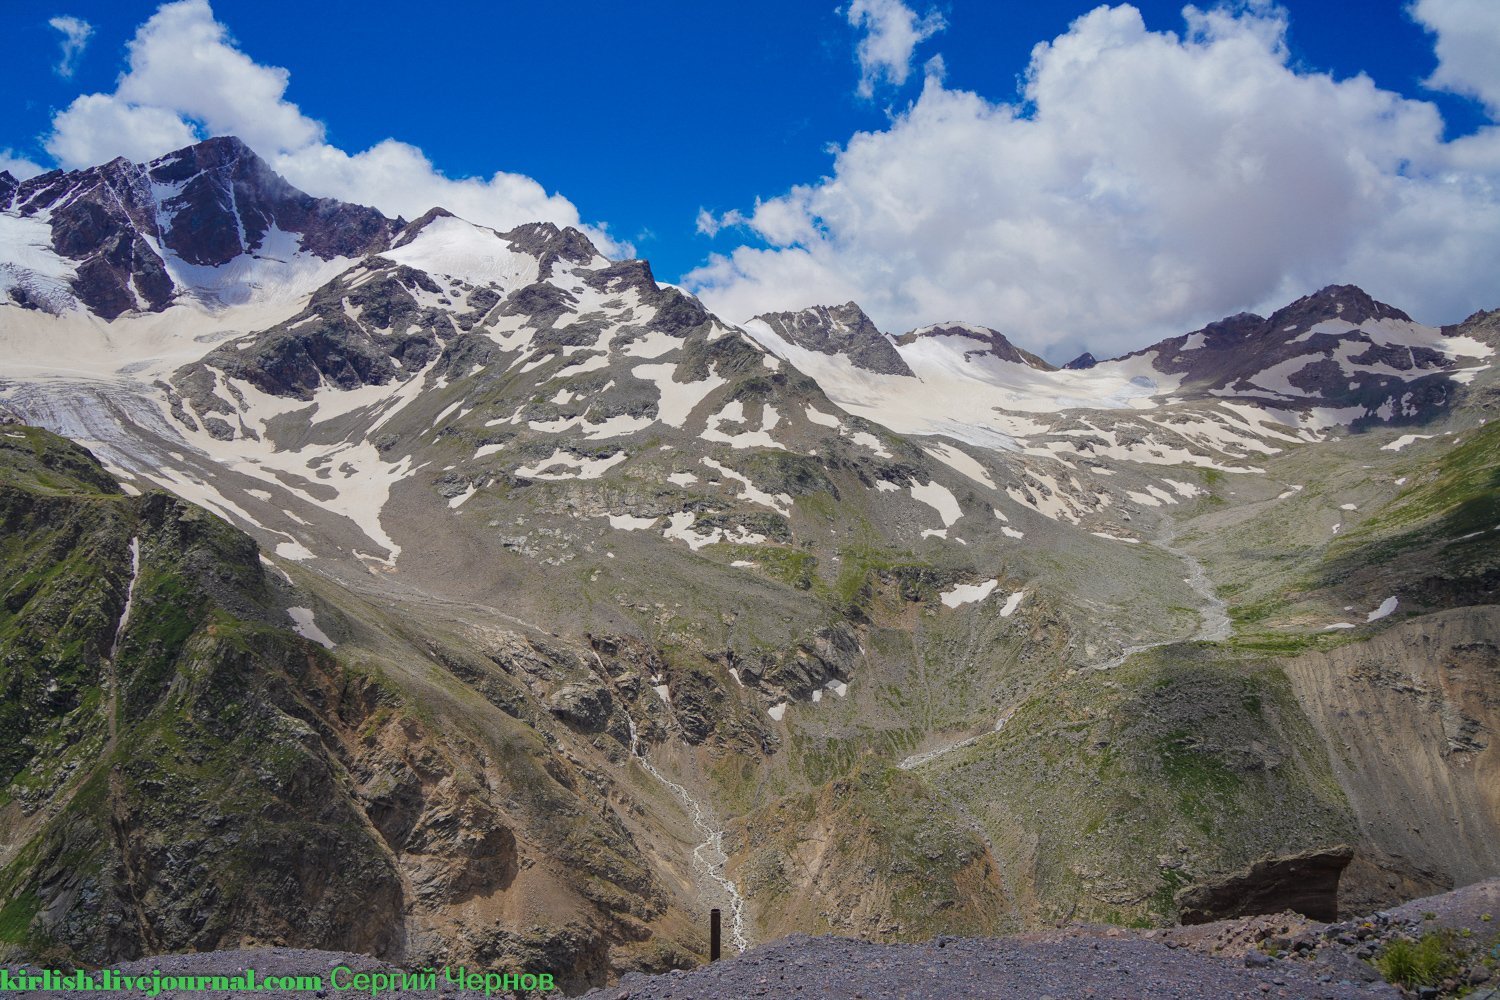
(18, 166)
(399, 179)
(1146, 183)
(1468, 47)
(187, 79)
(892, 32)
(711, 225)
(99, 127)
(76, 33)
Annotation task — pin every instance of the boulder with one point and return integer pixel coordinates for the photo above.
(1306, 883)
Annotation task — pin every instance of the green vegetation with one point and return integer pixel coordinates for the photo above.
(859, 568)
(1439, 534)
(1286, 644)
(1192, 745)
(1425, 962)
(1463, 489)
(16, 917)
(791, 566)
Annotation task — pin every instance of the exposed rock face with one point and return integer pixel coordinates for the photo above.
(136, 835)
(227, 200)
(548, 243)
(347, 336)
(1306, 883)
(832, 862)
(987, 343)
(1336, 348)
(203, 205)
(1083, 362)
(195, 776)
(584, 705)
(843, 330)
(1410, 719)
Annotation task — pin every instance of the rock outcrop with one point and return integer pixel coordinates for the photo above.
(1305, 883)
(203, 206)
(842, 330)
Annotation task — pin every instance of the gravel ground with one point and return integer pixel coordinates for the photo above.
(1102, 968)
(1254, 957)
(1123, 968)
(266, 962)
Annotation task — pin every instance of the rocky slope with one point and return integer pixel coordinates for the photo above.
(623, 612)
(191, 773)
(125, 236)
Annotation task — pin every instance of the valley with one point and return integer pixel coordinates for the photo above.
(449, 595)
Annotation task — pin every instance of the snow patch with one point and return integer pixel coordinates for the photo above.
(939, 498)
(293, 550)
(566, 465)
(306, 626)
(1404, 440)
(961, 462)
(821, 419)
(965, 593)
(870, 442)
(779, 502)
(629, 522)
(677, 399)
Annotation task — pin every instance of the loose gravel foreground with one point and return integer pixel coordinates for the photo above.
(1245, 959)
(1125, 968)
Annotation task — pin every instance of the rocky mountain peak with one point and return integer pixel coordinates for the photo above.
(413, 228)
(842, 330)
(1349, 303)
(634, 273)
(218, 151)
(994, 343)
(8, 185)
(125, 227)
(224, 200)
(1083, 362)
(548, 243)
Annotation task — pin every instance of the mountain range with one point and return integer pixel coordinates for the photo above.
(453, 595)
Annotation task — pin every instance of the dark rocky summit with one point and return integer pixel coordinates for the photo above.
(1311, 343)
(989, 342)
(205, 204)
(221, 182)
(843, 330)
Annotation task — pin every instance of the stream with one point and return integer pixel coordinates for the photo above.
(114, 646)
(709, 856)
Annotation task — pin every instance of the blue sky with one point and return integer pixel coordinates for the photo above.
(632, 118)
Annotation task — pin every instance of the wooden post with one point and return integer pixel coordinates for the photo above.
(715, 935)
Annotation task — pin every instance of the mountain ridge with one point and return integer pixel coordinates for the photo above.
(767, 629)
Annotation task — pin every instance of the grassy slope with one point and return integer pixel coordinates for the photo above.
(261, 788)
